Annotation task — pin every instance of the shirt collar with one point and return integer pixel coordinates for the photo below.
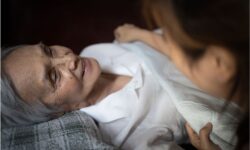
(114, 106)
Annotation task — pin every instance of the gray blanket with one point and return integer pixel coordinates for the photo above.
(73, 131)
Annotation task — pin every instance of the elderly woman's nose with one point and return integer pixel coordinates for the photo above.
(72, 64)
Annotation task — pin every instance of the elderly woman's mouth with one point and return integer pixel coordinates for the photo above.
(85, 66)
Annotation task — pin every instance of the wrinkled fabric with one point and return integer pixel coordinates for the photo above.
(160, 105)
(73, 131)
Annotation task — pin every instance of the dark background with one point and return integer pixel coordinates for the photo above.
(72, 23)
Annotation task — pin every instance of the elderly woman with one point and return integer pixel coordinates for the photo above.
(40, 82)
(138, 97)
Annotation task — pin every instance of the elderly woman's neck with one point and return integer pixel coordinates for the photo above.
(106, 85)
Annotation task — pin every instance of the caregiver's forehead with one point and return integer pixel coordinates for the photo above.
(26, 68)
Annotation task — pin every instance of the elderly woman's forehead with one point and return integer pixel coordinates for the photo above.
(21, 54)
(25, 70)
(27, 48)
(20, 51)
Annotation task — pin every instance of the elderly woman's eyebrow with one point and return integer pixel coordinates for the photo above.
(46, 71)
(42, 46)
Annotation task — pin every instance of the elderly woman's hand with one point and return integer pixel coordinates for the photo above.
(202, 141)
(128, 33)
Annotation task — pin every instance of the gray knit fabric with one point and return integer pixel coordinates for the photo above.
(73, 131)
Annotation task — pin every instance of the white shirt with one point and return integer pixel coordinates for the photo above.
(148, 112)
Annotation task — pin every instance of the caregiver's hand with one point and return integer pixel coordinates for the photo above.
(202, 141)
(128, 33)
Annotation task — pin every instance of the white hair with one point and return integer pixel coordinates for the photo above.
(14, 110)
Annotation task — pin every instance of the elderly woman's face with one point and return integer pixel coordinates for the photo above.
(53, 75)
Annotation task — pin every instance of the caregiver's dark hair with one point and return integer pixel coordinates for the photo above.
(14, 111)
(208, 22)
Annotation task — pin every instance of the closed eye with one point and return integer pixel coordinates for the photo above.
(54, 77)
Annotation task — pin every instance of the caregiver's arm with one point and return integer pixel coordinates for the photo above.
(130, 33)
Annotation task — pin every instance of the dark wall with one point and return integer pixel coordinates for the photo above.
(72, 23)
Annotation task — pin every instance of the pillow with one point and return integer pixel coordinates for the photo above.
(72, 131)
